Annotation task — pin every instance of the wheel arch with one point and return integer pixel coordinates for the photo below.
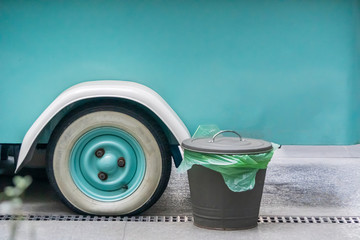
(108, 92)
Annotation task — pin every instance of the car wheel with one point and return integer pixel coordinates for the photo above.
(108, 160)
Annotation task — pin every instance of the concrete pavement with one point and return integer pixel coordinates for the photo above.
(300, 181)
(184, 231)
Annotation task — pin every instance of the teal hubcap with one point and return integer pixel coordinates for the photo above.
(107, 164)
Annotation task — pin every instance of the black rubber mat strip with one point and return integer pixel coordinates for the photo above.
(312, 219)
(179, 219)
(96, 218)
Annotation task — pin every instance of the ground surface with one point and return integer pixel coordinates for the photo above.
(300, 181)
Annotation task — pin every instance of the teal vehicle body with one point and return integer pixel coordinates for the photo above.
(285, 71)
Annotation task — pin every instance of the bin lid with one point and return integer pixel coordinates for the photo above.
(227, 145)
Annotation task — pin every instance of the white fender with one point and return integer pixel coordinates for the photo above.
(117, 89)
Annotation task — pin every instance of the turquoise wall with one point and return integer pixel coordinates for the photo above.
(285, 71)
(354, 127)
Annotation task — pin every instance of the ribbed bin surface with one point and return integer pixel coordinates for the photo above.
(217, 207)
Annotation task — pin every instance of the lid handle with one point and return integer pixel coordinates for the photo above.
(223, 131)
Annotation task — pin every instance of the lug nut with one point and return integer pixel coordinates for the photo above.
(121, 162)
(102, 176)
(100, 152)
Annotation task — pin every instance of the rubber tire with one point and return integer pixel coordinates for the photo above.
(130, 119)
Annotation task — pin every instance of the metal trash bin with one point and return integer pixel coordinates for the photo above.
(215, 206)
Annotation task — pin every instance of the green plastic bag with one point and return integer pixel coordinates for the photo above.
(238, 171)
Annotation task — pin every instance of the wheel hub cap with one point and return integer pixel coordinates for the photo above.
(97, 164)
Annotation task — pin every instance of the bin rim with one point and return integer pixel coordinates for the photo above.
(227, 145)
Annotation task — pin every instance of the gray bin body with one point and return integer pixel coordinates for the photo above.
(215, 206)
